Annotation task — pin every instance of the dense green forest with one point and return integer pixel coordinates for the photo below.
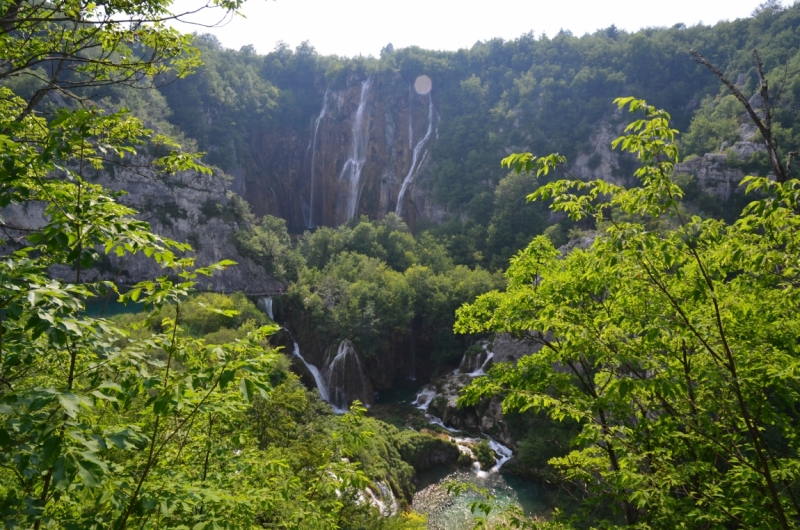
(663, 390)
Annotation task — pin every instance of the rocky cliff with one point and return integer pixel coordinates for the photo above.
(187, 207)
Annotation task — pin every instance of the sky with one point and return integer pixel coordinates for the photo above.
(363, 27)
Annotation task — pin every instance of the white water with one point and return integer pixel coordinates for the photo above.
(351, 171)
(483, 367)
(312, 146)
(321, 386)
(502, 453)
(265, 305)
(337, 373)
(416, 161)
(384, 499)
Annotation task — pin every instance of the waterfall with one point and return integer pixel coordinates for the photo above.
(424, 397)
(335, 382)
(383, 499)
(410, 118)
(321, 386)
(351, 171)
(344, 377)
(477, 371)
(265, 305)
(423, 402)
(312, 146)
(502, 453)
(416, 161)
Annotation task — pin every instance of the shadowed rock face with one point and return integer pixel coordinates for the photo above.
(367, 140)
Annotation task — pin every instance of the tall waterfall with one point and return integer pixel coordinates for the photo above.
(265, 304)
(351, 171)
(312, 146)
(416, 160)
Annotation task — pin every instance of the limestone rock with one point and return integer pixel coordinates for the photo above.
(176, 207)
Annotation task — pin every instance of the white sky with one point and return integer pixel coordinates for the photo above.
(353, 27)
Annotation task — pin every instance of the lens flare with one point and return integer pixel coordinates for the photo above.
(423, 85)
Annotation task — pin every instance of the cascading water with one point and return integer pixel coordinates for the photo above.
(318, 379)
(265, 305)
(312, 146)
(469, 362)
(344, 377)
(416, 160)
(383, 499)
(423, 401)
(351, 171)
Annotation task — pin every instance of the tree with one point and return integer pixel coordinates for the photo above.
(97, 431)
(671, 341)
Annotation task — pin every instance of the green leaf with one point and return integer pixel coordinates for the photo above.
(51, 450)
(226, 377)
(91, 470)
(70, 402)
(247, 388)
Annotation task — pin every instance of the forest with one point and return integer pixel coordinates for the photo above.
(583, 316)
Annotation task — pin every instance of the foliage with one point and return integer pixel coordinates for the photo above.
(356, 297)
(375, 284)
(671, 342)
(268, 243)
(484, 454)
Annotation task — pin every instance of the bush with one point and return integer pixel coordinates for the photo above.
(484, 454)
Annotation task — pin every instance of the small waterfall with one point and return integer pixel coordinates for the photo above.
(423, 401)
(344, 378)
(318, 379)
(424, 397)
(351, 171)
(265, 305)
(383, 499)
(472, 365)
(416, 161)
(312, 146)
(502, 453)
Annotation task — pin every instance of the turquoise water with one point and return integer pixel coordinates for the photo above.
(446, 512)
(95, 307)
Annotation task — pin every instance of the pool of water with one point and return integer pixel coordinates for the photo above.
(447, 512)
(108, 307)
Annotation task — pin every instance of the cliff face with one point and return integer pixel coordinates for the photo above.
(361, 155)
(185, 207)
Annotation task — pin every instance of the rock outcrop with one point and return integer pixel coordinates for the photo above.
(186, 207)
(485, 417)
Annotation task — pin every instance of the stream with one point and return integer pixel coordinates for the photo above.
(446, 512)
